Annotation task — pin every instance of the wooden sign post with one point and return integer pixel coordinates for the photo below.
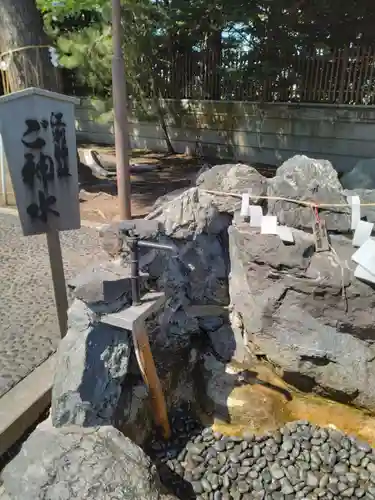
(39, 140)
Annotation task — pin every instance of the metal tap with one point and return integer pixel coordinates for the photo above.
(134, 245)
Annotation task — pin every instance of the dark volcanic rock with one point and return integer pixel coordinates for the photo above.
(92, 363)
(105, 287)
(306, 312)
(308, 179)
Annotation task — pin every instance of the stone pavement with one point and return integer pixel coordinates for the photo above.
(28, 323)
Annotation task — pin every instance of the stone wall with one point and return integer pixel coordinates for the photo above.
(269, 133)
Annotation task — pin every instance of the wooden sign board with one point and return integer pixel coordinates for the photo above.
(320, 235)
(39, 139)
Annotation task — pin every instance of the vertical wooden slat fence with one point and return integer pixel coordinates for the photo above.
(343, 75)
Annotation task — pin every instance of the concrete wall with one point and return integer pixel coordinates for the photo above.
(253, 133)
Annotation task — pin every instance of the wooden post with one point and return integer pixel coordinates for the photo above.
(150, 376)
(120, 107)
(344, 79)
(133, 319)
(58, 279)
(2, 172)
(40, 126)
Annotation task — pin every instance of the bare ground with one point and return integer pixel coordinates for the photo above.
(98, 195)
(99, 201)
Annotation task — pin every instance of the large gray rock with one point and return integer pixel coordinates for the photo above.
(196, 271)
(192, 213)
(57, 464)
(92, 362)
(199, 276)
(362, 176)
(308, 179)
(306, 312)
(98, 380)
(233, 178)
(166, 198)
(179, 273)
(105, 287)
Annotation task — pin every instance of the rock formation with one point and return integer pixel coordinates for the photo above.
(232, 293)
(72, 462)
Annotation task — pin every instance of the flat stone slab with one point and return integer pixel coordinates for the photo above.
(128, 318)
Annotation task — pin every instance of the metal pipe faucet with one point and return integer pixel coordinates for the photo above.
(134, 245)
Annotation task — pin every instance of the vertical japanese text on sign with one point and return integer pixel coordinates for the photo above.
(38, 172)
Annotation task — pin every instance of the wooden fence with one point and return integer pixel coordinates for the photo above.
(345, 76)
(340, 76)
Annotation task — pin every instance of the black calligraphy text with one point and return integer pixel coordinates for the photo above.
(38, 170)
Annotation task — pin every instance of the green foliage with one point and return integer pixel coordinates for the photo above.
(159, 35)
(86, 46)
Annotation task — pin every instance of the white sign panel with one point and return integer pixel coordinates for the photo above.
(362, 233)
(245, 205)
(365, 256)
(269, 224)
(355, 203)
(285, 233)
(256, 215)
(39, 140)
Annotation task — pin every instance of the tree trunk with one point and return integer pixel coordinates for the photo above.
(212, 65)
(164, 127)
(160, 113)
(21, 25)
(271, 57)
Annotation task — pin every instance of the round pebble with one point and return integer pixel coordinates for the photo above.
(300, 460)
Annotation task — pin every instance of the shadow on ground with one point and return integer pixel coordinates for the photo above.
(167, 173)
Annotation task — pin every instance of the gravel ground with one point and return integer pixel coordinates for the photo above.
(28, 326)
(300, 461)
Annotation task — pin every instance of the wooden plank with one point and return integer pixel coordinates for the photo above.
(363, 77)
(351, 66)
(362, 63)
(323, 69)
(336, 84)
(353, 80)
(312, 76)
(324, 96)
(370, 79)
(133, 319)
(151, 378)
(343, 80)
(58, 279)
(329, 83)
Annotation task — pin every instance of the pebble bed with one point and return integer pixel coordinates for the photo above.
(300, 461)
(29, 330)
